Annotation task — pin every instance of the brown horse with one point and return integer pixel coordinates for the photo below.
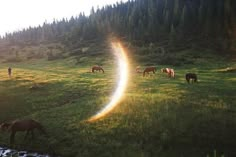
(170, 72)
(97, 68)
(149, 69)
(191, 76)
(22, 125)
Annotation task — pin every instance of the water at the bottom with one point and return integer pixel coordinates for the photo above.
(5, 152)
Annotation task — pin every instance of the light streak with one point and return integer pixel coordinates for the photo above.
(122, 81)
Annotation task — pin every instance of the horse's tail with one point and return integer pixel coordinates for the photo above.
(92, 69)
(195, 78)
(6, 127)
(187, 78)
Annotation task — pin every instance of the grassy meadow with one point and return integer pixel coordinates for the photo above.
(157, 116)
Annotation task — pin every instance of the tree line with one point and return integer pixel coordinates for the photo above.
(209, 23)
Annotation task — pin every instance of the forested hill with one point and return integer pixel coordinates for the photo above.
(205, 23)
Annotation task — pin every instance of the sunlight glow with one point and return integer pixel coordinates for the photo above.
(122, 83)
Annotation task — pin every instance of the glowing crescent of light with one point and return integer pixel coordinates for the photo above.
(122, 83)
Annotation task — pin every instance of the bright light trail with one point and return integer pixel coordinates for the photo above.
(122, 81)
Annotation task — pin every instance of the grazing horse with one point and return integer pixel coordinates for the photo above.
(22, 125)
(170, 72)
(97, 68)
(9, 71)
(149, 69)
(138, 69)
(191, 76)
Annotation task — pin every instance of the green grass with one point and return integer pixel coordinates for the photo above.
(158, 116)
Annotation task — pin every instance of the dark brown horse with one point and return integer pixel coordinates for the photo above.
(191, 76)
(97, 68)
(22, 125)
(149, 69)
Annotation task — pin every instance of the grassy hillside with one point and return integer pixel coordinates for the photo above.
(158, 116)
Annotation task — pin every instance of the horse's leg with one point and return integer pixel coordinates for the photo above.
(12, 137)
(26, 135)
(187, 80)
(32, 134)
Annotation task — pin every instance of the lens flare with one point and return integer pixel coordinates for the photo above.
(122, 81)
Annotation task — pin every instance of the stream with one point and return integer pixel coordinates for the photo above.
(6, 152)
